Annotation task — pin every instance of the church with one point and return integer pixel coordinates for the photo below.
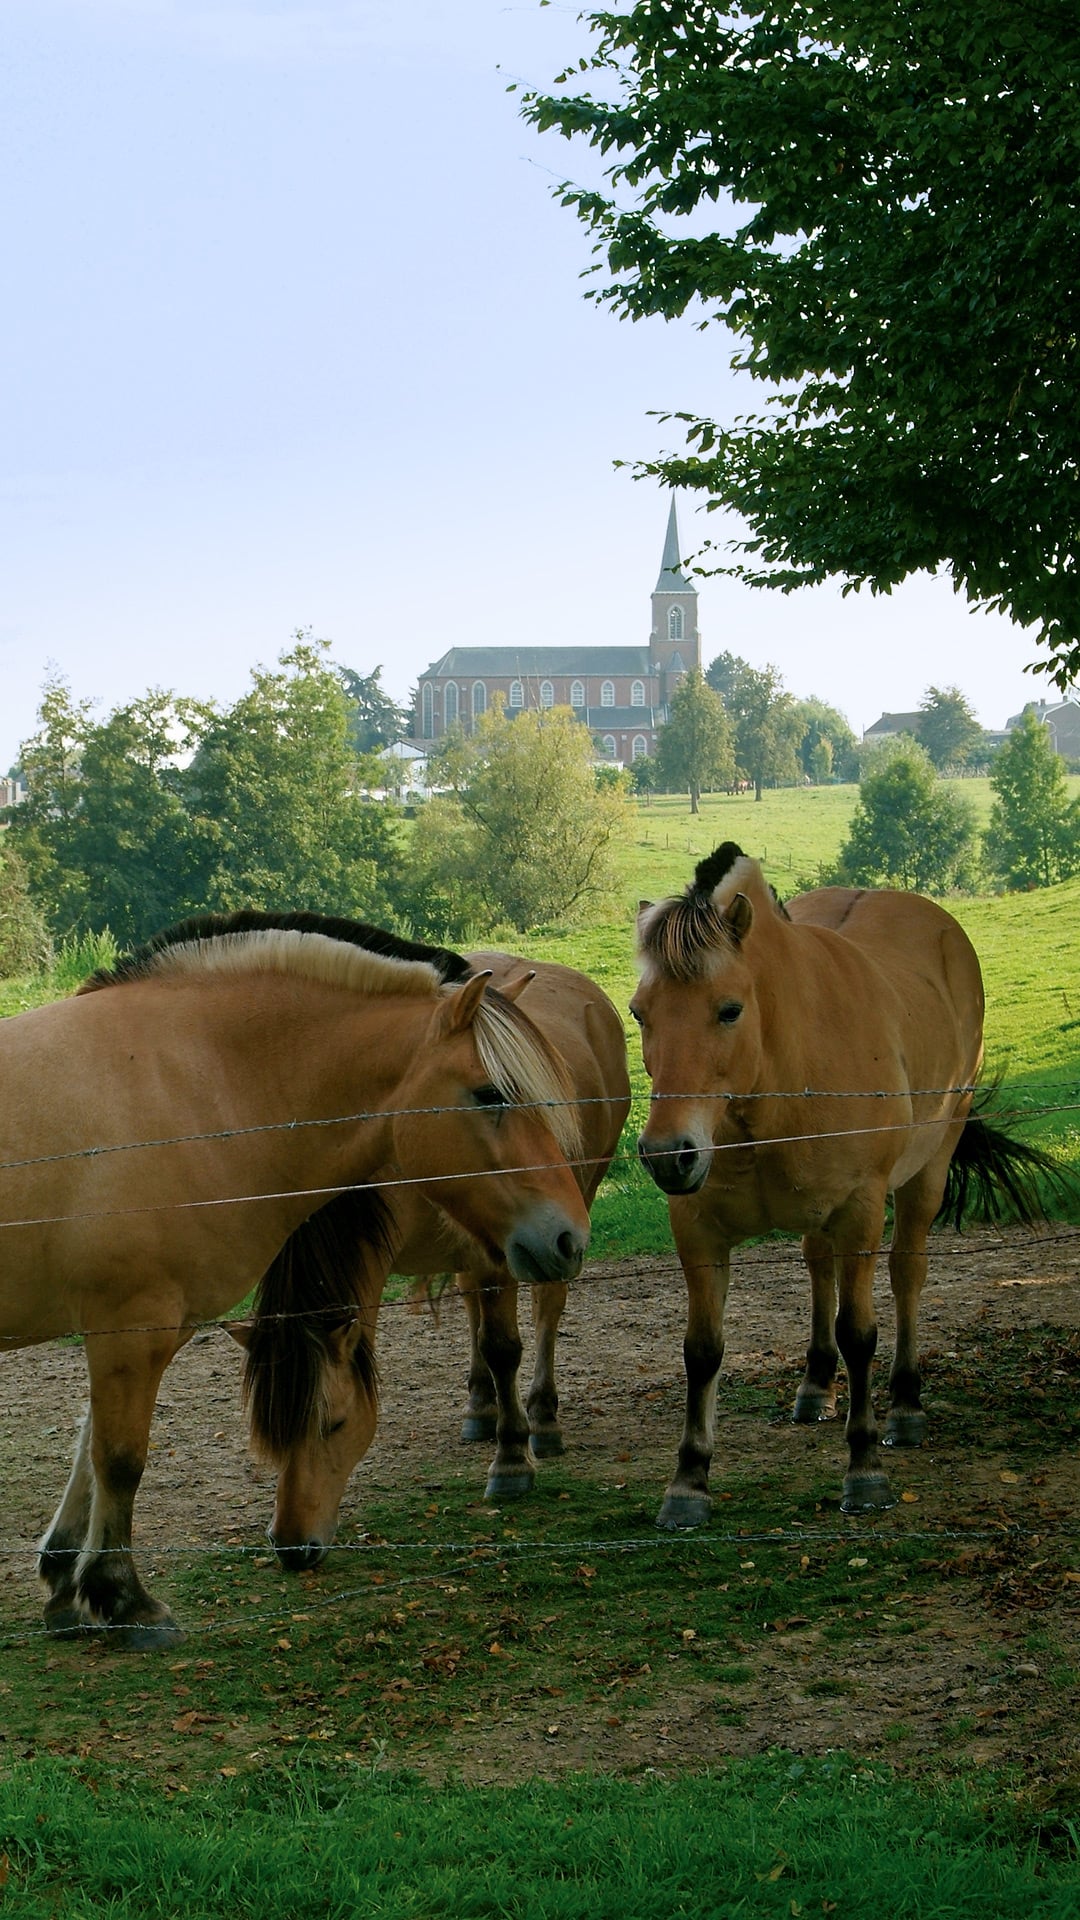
(620, 693)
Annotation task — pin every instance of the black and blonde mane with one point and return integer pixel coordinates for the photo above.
(678, 936)
(311, 1291)
(365, 959)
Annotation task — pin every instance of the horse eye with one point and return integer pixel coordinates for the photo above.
(334, 1427)
(634, 1014)
(489, 1096)
(728, 1013)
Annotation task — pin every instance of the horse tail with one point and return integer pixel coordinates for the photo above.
(310, 1291)
(993, 1176)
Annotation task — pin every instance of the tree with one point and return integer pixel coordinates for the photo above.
(526, 836)
(377, 720)
(765, 718)
(695, 749)
(1034, 835)
(948, 729)
(898, 265)
(24, 936)
(908, 830)
(828, 748)
(275, 796)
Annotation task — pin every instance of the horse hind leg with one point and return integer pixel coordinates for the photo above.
(125, 1372)
(916, 1205)
(64, 1541)
(542, 1401)
(816, 1398)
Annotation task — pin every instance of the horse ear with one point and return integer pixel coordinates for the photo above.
(739, 918)
(643, 906)
(239, 1330)
(513, 989)
(459, 1011)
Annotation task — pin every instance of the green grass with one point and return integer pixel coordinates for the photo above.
(779, 1836)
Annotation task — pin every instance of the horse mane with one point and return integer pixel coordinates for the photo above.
(309, 1292)
(679, 934)
(283, 942)
(517, 1057)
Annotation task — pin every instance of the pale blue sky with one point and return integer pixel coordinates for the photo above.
(293, 335)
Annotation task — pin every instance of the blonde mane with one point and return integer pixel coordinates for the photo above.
(681, 936)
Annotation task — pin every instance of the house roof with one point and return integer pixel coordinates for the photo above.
(538, 663)
(895, 723)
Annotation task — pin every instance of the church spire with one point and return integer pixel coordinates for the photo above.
(672, 579)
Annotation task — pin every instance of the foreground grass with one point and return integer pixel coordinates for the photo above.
(777, 1836)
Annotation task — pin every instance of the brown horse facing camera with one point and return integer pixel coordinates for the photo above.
(221, 1101)
(806, 1062)
(317, 1432)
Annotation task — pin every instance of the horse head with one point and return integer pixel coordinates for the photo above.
(697, 1005)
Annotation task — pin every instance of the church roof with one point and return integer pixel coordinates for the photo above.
(672, 578)
(538, 663)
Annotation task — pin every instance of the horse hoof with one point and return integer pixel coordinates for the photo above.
(867, 1493)
(682, 1511)
(67, 1623)
(813, 1404)
(905, 1427)
(146, 1636)
(509, 1486)
(547, 1445)
(478, 1426)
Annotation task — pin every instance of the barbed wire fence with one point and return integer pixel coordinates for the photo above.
(772, 1254)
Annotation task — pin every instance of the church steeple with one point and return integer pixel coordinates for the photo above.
(672, 579)
(674, 644)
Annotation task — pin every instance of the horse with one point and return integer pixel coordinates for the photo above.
(332, 1428)
(807, 1061)
(217, 1104)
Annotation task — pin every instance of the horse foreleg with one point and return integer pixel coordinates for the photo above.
(511, 1473)
(481, 1412)
(125, 1373)
(866, 1486)
(542, 1401)
(686, 1501)
(816, 1398)
(63, 1542)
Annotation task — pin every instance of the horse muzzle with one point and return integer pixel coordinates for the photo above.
(535, 1252)
(302, 1557)
(679, 1165)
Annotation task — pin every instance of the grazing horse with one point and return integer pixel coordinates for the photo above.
(333, 1428)
(806, 1062)
(216, 1106)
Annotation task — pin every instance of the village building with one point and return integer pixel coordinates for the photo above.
(622, 694)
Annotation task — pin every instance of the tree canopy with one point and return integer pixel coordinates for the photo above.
(908, 829)
(768, 725)
(895, 206)
(525, 834)
(948, 729)
(1033, 838)
(695, 750)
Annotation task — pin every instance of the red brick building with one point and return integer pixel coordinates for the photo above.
(620, 693)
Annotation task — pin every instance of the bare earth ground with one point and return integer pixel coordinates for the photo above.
(620, 1378)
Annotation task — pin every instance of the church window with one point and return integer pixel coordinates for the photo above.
(641, 746)
(675, 623)
(609, 745)
(577, 693)
(427, 712)
(637, 693)
(607, 694)
(450, 703)
(517, 694)
(547, 694)
(479, 699)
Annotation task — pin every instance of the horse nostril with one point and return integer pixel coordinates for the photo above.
(300, 1559)
(567, 1247)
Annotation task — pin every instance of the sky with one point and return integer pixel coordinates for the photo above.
(294, 337)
